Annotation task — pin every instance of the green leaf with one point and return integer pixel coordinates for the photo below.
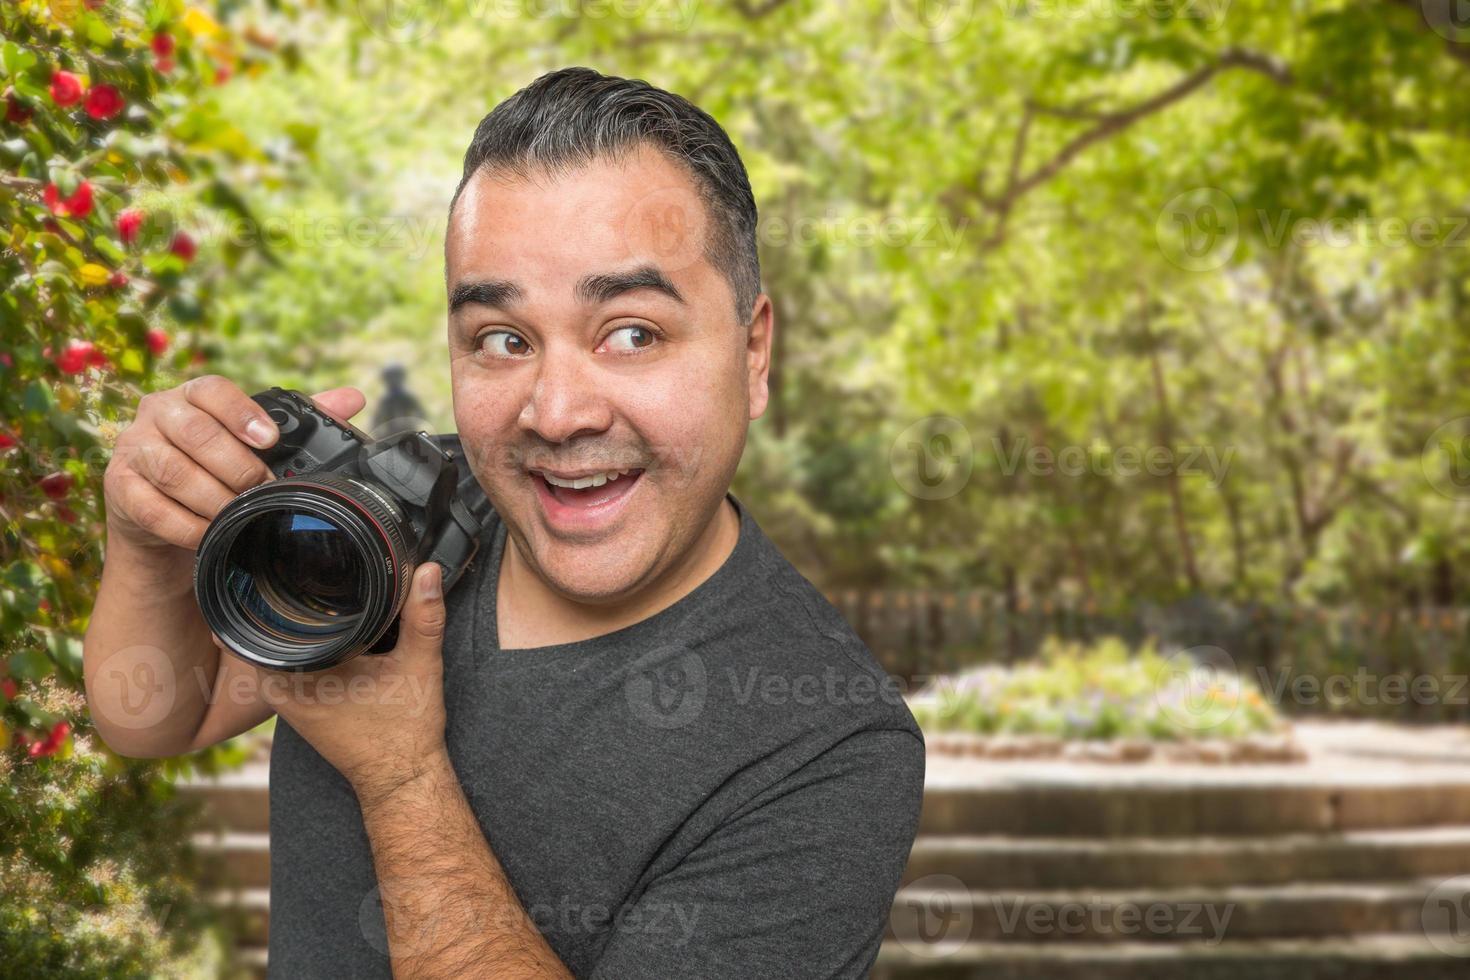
(16, 58)
(185, 308)
(108, 248)
(96, 31)
(38, 400)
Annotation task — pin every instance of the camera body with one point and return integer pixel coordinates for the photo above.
(311, 569)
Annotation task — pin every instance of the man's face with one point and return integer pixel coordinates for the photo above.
(589, 336)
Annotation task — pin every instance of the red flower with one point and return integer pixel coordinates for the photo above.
(97, 359)
(118, 280)
(52, 742)
(104, 102)
(183, 246)
(5, 359)
(15, 112)
(57, 485)
(7, 441)
(222, 73)
(162, 44)
(79, 205)
(8, 688)
(165, 65)
(66, 88)
(157, 342)
(67, 515)
(74, 359)
(129, 223)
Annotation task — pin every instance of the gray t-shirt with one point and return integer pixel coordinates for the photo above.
(728, 788)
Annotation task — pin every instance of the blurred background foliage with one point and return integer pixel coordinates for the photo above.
(997, 233)
(974, 211)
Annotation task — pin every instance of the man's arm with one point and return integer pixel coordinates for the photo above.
(156, 683)
(447, 905)
(449, 909)
(799, 884)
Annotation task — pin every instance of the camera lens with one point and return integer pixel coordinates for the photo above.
(304, 573)
(297, 572)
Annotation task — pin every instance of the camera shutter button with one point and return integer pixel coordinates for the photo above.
(285, 421)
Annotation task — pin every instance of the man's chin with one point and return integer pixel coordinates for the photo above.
(595, 575)
(602, 571)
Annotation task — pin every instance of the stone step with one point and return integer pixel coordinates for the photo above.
(251, 960)
(237, 800)
(1066, 862)
(1365, 957)
(235, 859)
(922, 912)
(1067, 800)
(1060, 800)
(248, 910)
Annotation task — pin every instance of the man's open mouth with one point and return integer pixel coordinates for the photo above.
(587, 489)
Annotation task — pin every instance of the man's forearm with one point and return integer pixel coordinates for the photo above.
(148, 656)
(448, 907)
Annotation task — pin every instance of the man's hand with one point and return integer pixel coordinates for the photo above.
(448, 908)
(187, 454)
(148, 659)
(379, 719)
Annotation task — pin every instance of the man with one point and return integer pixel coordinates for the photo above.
(636, 743)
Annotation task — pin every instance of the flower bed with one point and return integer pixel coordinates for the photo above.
(1104, 702)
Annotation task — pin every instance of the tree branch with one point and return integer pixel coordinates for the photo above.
(1106, 125)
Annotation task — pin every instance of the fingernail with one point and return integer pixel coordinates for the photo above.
(429, 584)
(260, 433)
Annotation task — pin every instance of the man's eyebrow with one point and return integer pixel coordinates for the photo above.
(597, 289)
(485, 292)
(592, 289)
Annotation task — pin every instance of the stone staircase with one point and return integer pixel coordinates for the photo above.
(235, 846)
(1348, 867)
(1352, 866)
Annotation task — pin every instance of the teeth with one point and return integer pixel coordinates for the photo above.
(583, 482)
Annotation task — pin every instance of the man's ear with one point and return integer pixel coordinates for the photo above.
(759, 333)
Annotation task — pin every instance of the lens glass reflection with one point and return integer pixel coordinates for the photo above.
(297, 575)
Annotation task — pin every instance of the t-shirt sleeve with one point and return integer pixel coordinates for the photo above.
(799, 883)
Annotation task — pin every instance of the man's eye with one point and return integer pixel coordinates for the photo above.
(503, 343)
(630, 338)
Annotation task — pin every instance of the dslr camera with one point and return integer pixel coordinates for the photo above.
(309, 570)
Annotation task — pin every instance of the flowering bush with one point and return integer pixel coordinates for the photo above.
(110, 141)
(1105, 691)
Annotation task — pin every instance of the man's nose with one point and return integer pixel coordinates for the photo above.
(566, 400)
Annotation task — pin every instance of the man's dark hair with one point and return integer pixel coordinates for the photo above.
(571, 117)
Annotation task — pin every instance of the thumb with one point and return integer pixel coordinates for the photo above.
(422, 623)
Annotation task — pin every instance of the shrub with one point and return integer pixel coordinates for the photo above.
(1103, 691)
(111, 142)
